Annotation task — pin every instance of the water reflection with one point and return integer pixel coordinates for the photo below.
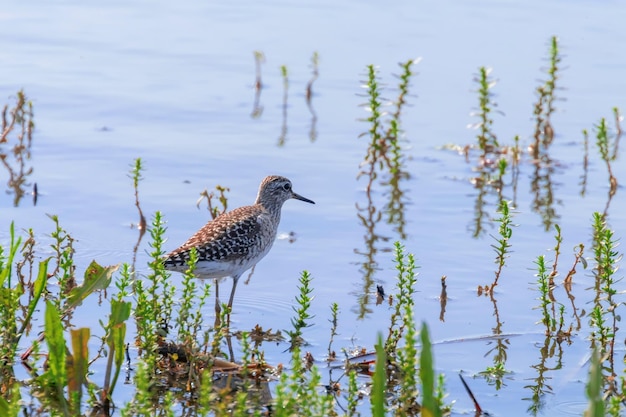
(283, 130)
(135, 174)
(443, 299)
(384, 169)
(15, 143)
(543, 136)
(492, 168)
(481, 184)
(583, 176)
(369, 216)
(257, 108)
(492, 163)
(557, 330)
(490, 183)
(309, 95)
(542, 189)
(550, 349)
(618, 127)
(494, 375)
(394, 203)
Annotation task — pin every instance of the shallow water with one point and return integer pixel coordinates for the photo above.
(173, 84)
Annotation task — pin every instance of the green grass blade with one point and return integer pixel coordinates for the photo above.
(40, 285)
(78, 374)
(379, 381)
(5, 271)
(120, 312)
(594, 387)
(57, 371)
(427, 375)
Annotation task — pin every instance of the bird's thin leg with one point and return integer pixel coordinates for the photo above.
(218, 309)
(232, 296)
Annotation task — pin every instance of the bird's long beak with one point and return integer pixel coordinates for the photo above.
(299, 197)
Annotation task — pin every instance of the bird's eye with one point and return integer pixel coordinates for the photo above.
(287, 187)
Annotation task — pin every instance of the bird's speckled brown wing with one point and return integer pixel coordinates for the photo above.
(231, 235)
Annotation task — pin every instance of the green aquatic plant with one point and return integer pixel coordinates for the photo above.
(65, 387)
(376, 149)
(603, 317)
(594, 387)
(603, 139)
(543, 282)
(114, 344)
(10, 402)
(334, 310)
(215, 209)
(487, 139)
(384, 154)
(55, 378)
(560, 329)
(379, 381)
(189, 319)
(542, 184)
(352, 398)
(115, 339)
(303, 317)
(407, 279)
(432, 395)
(406, 361)
(395, 206)
(495, 159)
(553, 317)
(544, 107)
(136, 176)
(155, 293)
(142, 403)
(187, 329)
(15, 319)
(502, 247)
(384, 165)
(297, 391)
(61, 384)
(62, 261)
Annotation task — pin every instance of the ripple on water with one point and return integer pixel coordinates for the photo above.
(570, 408)
(262, 303)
